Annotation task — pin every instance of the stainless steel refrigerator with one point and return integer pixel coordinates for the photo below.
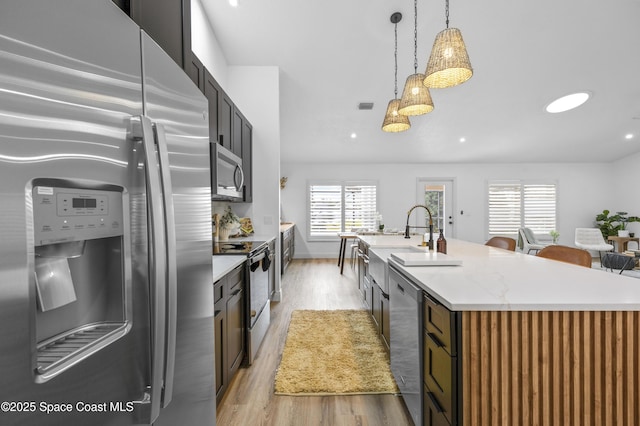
(106, 292)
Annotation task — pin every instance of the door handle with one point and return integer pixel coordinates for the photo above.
(142, 130)
(171, 271)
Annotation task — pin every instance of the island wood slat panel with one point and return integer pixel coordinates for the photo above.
(551, 368)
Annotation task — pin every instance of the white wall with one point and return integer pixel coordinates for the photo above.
(256, 92)
(205, 45)
(623, 185)
(583, 191)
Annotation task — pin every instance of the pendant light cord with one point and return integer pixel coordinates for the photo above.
(415, 36)
(395, 89)
(446, 12)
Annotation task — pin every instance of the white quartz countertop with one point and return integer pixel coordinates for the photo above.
(498, 280)
(223, 264)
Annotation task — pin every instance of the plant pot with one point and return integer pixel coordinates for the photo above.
(623, 233)
(223, 234)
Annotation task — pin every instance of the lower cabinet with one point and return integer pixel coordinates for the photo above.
(229, 295)
(366, 293)
(441, 365)
(376, 305)
(287, 247)
(384, 321)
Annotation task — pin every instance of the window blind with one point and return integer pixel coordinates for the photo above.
(359, 207)
(341, 207)
(325, 210)
(505, 208)
(515, 204)
(540, 208)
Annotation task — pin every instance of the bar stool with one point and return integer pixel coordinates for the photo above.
(344, 236)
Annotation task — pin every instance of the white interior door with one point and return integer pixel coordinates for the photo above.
(437, 195)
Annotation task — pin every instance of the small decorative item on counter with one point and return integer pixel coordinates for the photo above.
(228, 222)
(554, 236)
(246, 227)
(216, 226)
(380, 222)
(441, 244)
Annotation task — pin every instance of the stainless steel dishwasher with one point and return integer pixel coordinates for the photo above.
(405, 300)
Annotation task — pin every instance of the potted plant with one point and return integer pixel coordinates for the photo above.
(615, 224)
(228, 221)
(554, 236)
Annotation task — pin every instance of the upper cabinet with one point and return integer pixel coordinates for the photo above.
(168, 22)
(227, 125)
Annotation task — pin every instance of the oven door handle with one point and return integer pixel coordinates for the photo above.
(257, 258)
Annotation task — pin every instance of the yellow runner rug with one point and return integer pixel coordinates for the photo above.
(333, 353)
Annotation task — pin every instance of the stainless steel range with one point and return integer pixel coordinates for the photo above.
(260, 255)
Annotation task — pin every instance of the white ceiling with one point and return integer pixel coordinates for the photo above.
(334, 54)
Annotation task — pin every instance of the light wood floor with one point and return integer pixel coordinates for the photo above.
(307, 284)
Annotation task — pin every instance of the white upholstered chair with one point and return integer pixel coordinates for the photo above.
(527, 241)
(592, 239)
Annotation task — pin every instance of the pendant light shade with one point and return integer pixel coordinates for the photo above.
(416, 99)
(449, 63)
(394, 121)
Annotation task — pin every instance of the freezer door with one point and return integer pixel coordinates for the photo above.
(179, 113)
(70, 79)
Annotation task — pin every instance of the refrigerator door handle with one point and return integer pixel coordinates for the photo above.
(172, 278)
(142, 130)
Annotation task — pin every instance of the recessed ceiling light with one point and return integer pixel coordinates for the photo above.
(234, 3)
(567, 102)
(628, 136)
(353, 136)
(463, 140)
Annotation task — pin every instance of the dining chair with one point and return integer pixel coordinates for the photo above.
(567, 254)
(502, 242)
(527, 241)
(592, 239)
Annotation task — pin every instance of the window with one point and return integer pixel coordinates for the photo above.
(341, 206)
(517, 204)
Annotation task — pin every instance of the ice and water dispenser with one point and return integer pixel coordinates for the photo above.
(81, 271)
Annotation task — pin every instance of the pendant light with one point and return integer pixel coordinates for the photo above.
(416, 99)
(449, 62)
(394, 121)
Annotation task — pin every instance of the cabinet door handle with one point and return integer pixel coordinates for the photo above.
(400, 288)
(435, 402)
(431, 299)
(435, 340)
(236, 292)
(216, 313)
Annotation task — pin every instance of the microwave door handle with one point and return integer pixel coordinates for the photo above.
(143, 130)
(172, 279)
(238, 169)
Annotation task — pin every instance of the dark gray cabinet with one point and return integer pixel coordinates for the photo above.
(287, 247)
(213, 92)
(227, 125)
(246, 143)
(168, 22)
(229, 302)
(195, 70)
(384, 321)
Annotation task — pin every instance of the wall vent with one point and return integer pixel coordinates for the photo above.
(365, 105)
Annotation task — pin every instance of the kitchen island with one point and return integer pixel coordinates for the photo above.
(531, 340)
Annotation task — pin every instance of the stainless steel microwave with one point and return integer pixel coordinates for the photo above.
(227, 177)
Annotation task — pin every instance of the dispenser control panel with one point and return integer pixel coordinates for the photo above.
(72, 214)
